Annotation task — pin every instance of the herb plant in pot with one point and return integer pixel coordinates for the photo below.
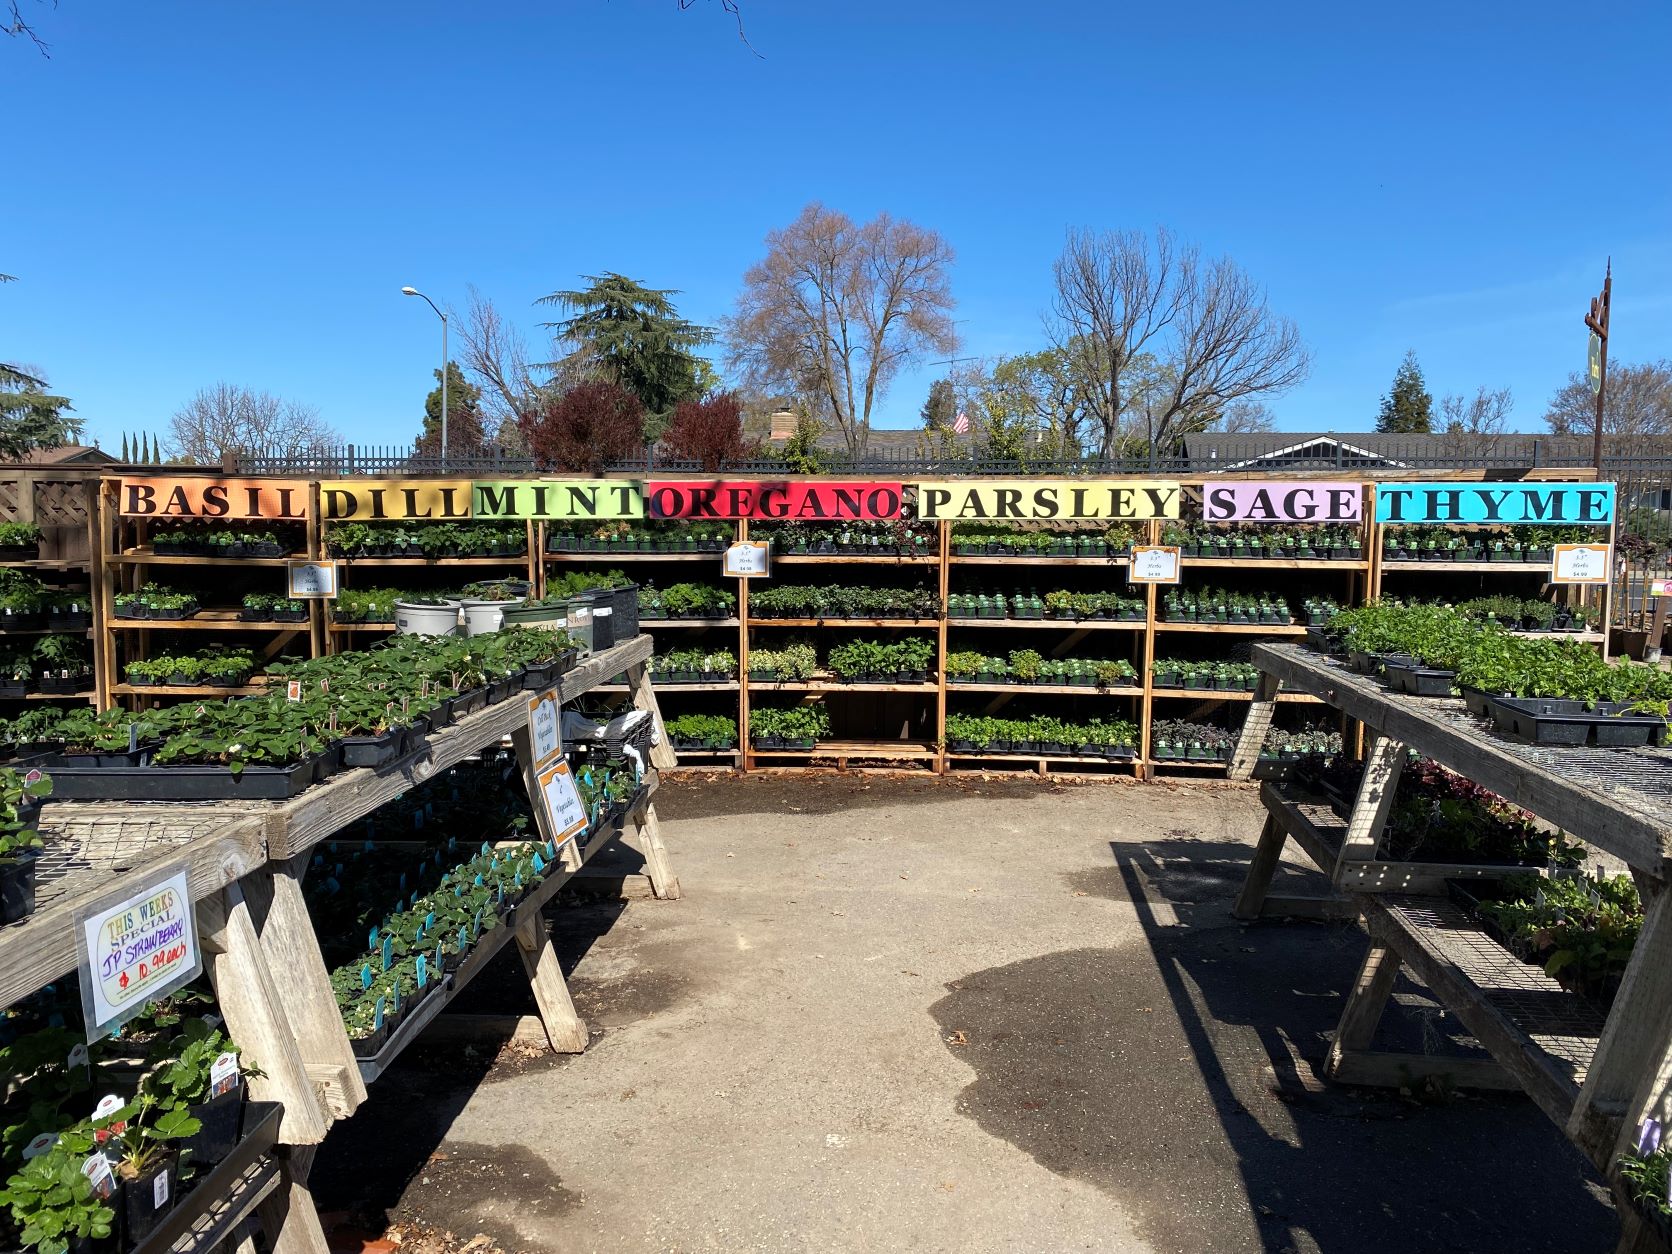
(20, 843)
(427, 614)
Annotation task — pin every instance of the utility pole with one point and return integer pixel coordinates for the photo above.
(1597, 320)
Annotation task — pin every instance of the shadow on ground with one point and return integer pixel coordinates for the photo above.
(1181, 1078)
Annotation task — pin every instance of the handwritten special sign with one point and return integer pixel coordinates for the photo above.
(141, 947)
(402, 500)
(557, 498)
(1585, 503)
(237, 499)
(726, 498)
(1128, 500)
(1283, 500)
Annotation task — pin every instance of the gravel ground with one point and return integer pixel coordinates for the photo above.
(897, 1013)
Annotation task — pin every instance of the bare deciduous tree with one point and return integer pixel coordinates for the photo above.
(1636, 408)
(1471, 425)
(496, 355)
(1146, 317)
(836, 309)
(227, 418)
(15, 24)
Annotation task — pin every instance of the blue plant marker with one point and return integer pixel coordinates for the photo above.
(551, 849)
(458, 890)
(517, 883)
(371, 941)
(539, 862)
(331, 885)
(417, 820)
(337, 870)
(478, 930)
(395, 996)
(440, 956)
(420, 933)
(452, 843)
(486, 848)
(377, 1015)
(464, 940)
(423, 970)
(388, 952)
(478, 879)
(429, 919)
(401, 887)
(366, 975)
(499, 893)
(368, 846)
(318, 860)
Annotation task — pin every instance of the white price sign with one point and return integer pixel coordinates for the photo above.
(749, 558)
(563, 803)
(1580, 563)
(545, 722)
(1154, 563)
(134, 949)
(312, 579)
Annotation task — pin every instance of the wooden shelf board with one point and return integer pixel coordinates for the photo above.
(185, 690)
(1477, 567)
(844, 622)
(1237, 629)
(1046, 560)
(144, 557)
(347, 627)
(634, 557)
(832, 685)
(1584, 637)
(1196, 763)
(1214, 694)
(206, 620)
(1053, 624)
(1060, 690)
(53, 696)
(517, 559)
(852, 559)
(688, 622)
(49, 631)
(1039, 757)
(1275, 563)
(664, 686)
(854, 749)
(49, 563)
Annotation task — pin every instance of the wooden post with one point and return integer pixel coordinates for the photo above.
(644, 698)
(287, 1214)
(1254, 728)
(943, 532)
(1267, 854)
(255, 1017)
(280, 915)
(744, 756)
(1382, 767)
(565, 1030)
(1371, 989)
(648, 840)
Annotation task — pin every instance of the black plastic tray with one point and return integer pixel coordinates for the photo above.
(1555, 721)
(182, 783)
(1418, 680)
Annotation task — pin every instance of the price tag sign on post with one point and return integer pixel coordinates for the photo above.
(1154, 563)
(562, 802)
(749, 559)
(545, 722)
(311, 579)
(1580, 563)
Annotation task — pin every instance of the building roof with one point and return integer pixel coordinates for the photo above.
(1353, 449)
(66, 455)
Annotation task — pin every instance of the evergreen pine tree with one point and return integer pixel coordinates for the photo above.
(1408, 408)
(941, 408)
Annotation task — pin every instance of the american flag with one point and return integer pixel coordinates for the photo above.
(961, 423)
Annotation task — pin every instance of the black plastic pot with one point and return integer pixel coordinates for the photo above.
(19, 552)
(17, 887)
(146, 1200)
(371, 1045)
(69, 620)
(99, 761)
(222, 1120)
(371, 751)
(1419, 681)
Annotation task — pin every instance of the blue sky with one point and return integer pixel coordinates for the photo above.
(238, 191)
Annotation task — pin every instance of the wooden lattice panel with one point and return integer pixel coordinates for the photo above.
(10, 494)
(60, 503)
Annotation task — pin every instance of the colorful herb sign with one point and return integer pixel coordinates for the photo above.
(1282, 500)
(1023, 500)
(687, 498)
(239, 499)
(1503, 503)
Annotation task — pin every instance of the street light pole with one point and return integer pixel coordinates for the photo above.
(412, 291)
(1597, 321)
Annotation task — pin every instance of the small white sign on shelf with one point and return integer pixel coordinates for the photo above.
(141, 946)
(749, 559)
(314, 580)
(1580, 563)
(1154, 563)
(545, 727)
(562, 802)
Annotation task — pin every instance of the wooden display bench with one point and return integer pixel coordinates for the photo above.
(245, 861)
(1596, 1076)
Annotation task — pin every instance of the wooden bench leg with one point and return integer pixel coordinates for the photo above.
(1371, 989)
(1383, 766)
(1267, 854)
(565, 1030)
(663, 882)
(287, 1214)
(662, 756)
(1254, 728)
(255, 1016)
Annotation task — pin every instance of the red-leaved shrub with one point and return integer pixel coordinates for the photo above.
(709, 432)
(585, 429)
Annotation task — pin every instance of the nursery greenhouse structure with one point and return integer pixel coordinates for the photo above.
(296, 765)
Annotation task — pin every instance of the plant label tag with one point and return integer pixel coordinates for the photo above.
(395, 997)
(377, 1015)
(223, 1074)
(388, 952)
(371, 938)
(159, 1190)
(39, 1145)
(97, 1170)
(429, 920)
(108, 1105)
(440, 956)
(1648, 1137)
(34, 777)
(78, 1056)
(423, 970)
(293, 690)
(539, 862)
(366, 976)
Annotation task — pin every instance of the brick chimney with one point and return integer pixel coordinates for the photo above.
(783, 423)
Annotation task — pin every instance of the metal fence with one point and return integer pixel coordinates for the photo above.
(1364, 454)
